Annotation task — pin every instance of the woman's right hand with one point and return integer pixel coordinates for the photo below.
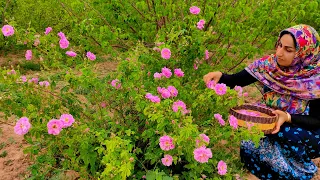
(212, 76)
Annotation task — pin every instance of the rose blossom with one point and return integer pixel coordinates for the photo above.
(48, 30)
(91, 56)
(28, 55)
(200, 24)
(220, 120)
(64, 43)
(220, 89)
(116, 83)
(157, 75)
(166, 143)
(206, 53)
(194, 10)
(167, 160)
(54, 126)
(44, 83)
(166, 72)
(182, 105)
(173, 91)
(61, 35)
(22, 126)
(178, 72)
(71, 53)
(202, 154)
(222, 168)
(7, 30)
(165, 53)
(211, 84)
(67, 120)
(233, 122)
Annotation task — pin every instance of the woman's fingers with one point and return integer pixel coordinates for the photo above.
(207, 78)
(277, 129)
(276, 112)
(212, 76)
(279, 121)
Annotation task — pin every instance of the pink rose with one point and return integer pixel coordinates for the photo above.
(202, 154)
(22, 126)
(166, 143)
(194, 10)
(219, 118)
(91, 56)
(220, 89)
(61, 35)
(179, 72)
(48, 30)
(173, 91)
(165, 53)
(233, 122)
(7, 30)
(157, 75)
(200, 24)
(116, 83)
(24, 79)
(222, 168)
(44, 83)
(211, 84)
(67, 120)
(167, 160)
(166, 72)
(64, 43)
(28, 55)
(165, 93)
(54, 126)
(206, 55)
(71, 53)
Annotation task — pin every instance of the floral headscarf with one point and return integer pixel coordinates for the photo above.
(302, 78)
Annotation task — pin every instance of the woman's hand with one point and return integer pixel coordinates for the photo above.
(212, 76)
(282, 118)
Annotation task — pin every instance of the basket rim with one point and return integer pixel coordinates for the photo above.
(263, 120)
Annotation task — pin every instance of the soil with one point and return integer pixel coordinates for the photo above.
(14, 164)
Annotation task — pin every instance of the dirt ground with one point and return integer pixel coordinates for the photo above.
(13, 162)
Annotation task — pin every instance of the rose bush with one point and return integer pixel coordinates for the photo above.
(153, 117)
(146, 122)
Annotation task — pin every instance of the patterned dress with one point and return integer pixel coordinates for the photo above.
(287, 154)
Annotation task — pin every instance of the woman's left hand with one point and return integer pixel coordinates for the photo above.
(282, 118)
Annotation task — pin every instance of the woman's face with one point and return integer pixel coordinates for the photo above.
(285, 50)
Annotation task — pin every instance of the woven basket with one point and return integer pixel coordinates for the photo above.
(261, 117)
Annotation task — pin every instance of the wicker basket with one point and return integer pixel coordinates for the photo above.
(261, 117)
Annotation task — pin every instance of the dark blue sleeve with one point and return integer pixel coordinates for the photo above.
(311, 121)
(242, 78)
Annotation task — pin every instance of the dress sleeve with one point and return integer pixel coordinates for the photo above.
(311, 121)
(242, 78)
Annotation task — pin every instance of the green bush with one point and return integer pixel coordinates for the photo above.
(117, 129)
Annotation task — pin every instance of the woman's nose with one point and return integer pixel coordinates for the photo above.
(279, 52)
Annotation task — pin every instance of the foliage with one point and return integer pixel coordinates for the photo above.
(241, 28)
(117, 129)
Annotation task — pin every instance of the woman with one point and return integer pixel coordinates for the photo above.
(291, 81)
